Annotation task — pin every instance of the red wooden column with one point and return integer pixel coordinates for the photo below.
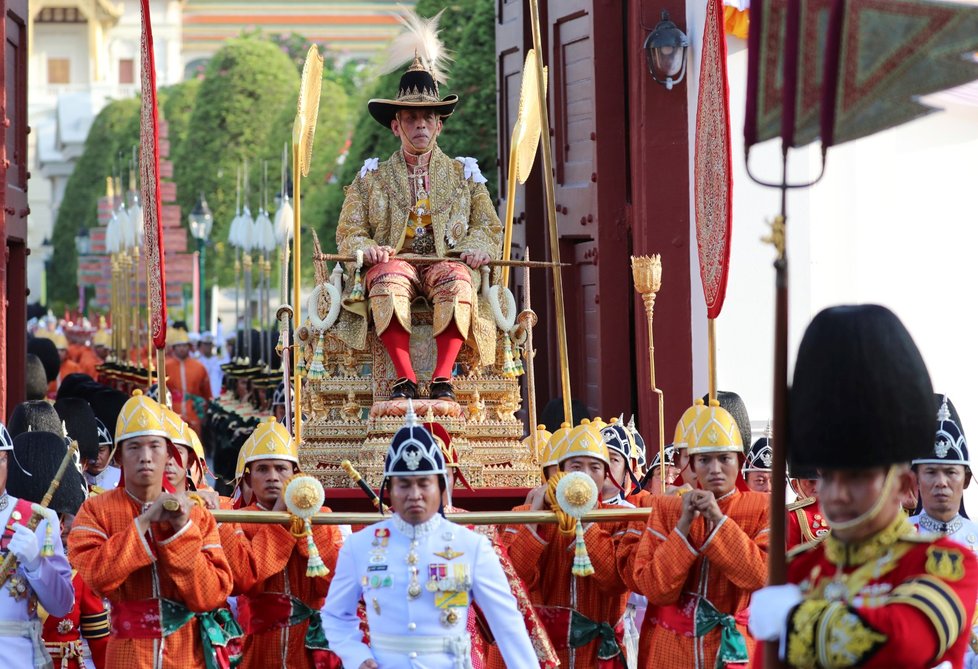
(660, 219)
(13, 202)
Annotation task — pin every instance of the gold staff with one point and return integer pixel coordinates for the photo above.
(647, 274)
(529, 319)
(466, 518)
(430, 260)
(522, 148)
(9, 565)
(548, 178)
(303, 132)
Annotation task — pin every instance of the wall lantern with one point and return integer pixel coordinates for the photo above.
(665, 52)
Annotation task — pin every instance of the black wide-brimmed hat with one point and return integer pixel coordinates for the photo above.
(418, 88)
(861, 396)
(40, 454)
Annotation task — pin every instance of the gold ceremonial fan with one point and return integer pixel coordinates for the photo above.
(304, 128)
(522, 146)
(303, 132)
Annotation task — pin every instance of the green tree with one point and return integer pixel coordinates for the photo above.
(107, 149)
(247, 86)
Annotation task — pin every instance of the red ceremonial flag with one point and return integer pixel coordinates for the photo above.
(149, 172)
(712, 173)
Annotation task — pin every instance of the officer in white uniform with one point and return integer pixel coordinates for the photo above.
(108, 476)
(418, 574)
(37, 579)
(942, 478)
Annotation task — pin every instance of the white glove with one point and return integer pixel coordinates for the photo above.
(769, 609)
(24, 545)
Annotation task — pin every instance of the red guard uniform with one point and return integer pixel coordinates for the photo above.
(898, 600)
(87, 618)
(805, 522)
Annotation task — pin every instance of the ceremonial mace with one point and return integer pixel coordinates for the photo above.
(303, 132)
(647, 275)
(548, 179)
(9, 565)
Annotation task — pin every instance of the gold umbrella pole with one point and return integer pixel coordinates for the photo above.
(137, 337)
(466, 518)
(296, 292)
(149, 332)
(647, 274)
(711, 335)
(529, 319)
(510, 211)
(548, 178)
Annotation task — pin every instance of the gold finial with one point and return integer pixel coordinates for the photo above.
(776, 238)
(418, 64)
(647, 273)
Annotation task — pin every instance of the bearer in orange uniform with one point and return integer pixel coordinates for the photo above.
(68, 366)
(186, 376)
(279, 610)
(701, 556)
(142, 548)
(874, 593)
(544, 559)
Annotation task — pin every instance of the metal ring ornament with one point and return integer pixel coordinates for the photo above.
(576, 494)
(304, 496)
(504, 323)
(312, 306)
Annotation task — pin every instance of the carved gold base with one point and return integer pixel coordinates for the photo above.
(351, 418)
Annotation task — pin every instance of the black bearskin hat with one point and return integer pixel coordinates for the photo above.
(81, 425)
(40, 454)
(861, 396)
(35, 416)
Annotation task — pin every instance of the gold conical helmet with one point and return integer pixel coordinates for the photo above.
(556, 445)
(270, 441)
(542, 439)
(586, 440)
(681, 437)
(141, 416)
(715, 431)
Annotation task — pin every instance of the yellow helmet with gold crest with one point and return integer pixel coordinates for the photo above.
(680, 438)
(585, 440)
(555, 446)
(715, 431)
(270, 441)
(539, 447)
(141, 416)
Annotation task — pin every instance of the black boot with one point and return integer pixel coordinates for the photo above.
(404, 389)
(441, 389)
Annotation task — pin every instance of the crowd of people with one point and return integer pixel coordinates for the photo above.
(882, 569)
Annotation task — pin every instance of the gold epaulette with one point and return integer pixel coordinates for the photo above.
(804, 548)
(801, 504)
(915, 538)
(95, 490)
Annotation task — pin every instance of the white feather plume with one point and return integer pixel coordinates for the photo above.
(419, 37)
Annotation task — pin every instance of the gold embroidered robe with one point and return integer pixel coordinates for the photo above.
(376, 212)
